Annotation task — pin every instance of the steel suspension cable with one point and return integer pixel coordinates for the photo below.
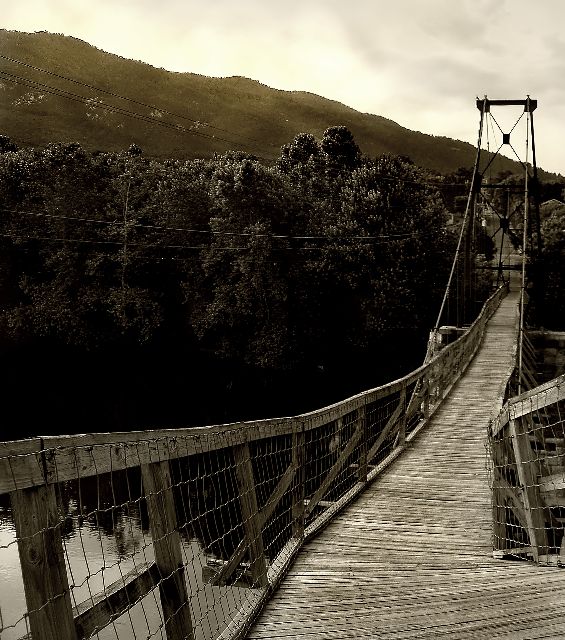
(465, 218)
(524, 252)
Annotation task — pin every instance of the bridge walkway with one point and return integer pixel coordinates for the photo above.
(412, 556)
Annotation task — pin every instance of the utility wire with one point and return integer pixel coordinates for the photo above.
(121, 97)
(192, 129)
(119, 224)
(69, 95)
(376, 240)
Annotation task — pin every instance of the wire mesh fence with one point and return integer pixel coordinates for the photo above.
(527, 452)
(184, 533)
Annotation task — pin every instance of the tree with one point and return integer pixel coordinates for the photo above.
(303, 150)
(6, 145)
(241, 312)
(553, 235)
(340, 148)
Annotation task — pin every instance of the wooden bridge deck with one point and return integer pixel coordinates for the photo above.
(412, 557)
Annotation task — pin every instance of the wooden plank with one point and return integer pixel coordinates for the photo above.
(541, 396)
(99, 611)
(553, 482)
(42, 561)
(499, 506)
(499, 554)
(21, 465)
(530, 401)
(411, 557)
(157, 485)
(74, 457)
(250, 514)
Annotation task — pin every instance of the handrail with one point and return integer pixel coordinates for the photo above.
(208, 438)
(249, 493)
(527, 451)
(529, 401)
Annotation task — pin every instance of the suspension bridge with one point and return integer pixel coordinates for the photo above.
(395, 513)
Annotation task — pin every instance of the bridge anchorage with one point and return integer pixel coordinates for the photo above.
(377, 511)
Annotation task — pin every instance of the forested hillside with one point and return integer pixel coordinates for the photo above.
(138, 292)
(179, 115)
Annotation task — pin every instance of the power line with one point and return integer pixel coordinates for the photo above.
(69, 95)
(203, 247)
(149, 119)
(17, 236)
(121, 97)
(120, 224)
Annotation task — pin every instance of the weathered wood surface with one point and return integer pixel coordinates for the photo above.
(412, 557)
(97, 612)
(175, 604)
(250, 514)
(43, 566)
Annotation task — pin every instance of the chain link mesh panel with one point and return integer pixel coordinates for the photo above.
(527, 452)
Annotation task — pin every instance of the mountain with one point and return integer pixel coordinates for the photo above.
(181, 115)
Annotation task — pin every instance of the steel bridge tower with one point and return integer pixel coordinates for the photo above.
(507, 211)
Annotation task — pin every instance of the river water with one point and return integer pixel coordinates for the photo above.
(98, 554)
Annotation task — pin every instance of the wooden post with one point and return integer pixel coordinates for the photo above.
(363, 468)
(298, 461)
(401, 439)
(527, 475)
(250, 513)
(43, 563)
(426, 392)
(166, 543)
(499, 501)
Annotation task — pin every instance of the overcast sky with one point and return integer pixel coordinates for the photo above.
(419, 62)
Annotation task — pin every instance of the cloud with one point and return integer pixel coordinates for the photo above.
(419, 63)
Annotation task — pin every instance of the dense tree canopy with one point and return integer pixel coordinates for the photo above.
(307, 264)
(553, 234)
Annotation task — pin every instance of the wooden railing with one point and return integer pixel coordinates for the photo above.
(245, 496)
(527, 445)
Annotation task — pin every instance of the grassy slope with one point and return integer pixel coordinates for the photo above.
(255, 117)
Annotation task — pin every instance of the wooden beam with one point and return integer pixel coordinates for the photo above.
(210, 573)
(250, 514)
(299, 463)
(42, 561)
(515, 496)
(393, 419)
(553, 482)
(363, 468)
(221, 577)
(499, 554)
(533, 505)
(99, 611)
(401, 437)
(336, 468)
(158, 487)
